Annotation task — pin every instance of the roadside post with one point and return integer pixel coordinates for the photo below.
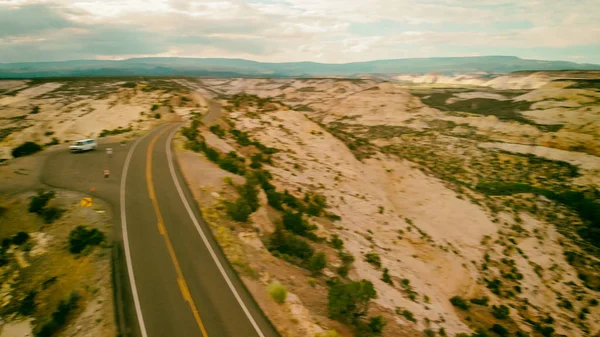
(106, 174)
(109, 152)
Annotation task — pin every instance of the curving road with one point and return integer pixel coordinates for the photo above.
(179, 282)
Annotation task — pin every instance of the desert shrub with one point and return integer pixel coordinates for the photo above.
(241, 137)
(20, 238)
(295, 223)
(494, 286)
(26, 149)
(593, 302)
(54, 141)
(386, 277)
(35, 110)
(129, 85)
(274, 199)
(499, 330)
(459, 302)
(343, 270)
(372, 327)
(116, 131)
(317, 262)
(564, 303)
(81, 237)
(278, 292)
(154, 107)
(51, 214)
(374, 259)
(157, 115)
(39, 201)
(336, 242)
(249, 193)
(27, 306)
(285, 243)
(238, 210)
(480, 301)
(232, 165)
(211, 154)
(407, 314)
(348, 302)
(316, 204)
(216, 129)
(442, 332)
(429, 333)
(500, 312)
(59, 317)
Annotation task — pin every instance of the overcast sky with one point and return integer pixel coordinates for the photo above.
(299, 30)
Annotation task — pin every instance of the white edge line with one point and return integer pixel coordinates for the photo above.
(204, 238)
(136, 298)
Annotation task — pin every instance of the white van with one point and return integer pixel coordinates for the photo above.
(83, 145)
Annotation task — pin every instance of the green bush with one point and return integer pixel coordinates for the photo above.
(216, 129)
(274, 199)
(289, 244)
(154, 107)
(386, 277)
(459, 302)
(249, 193)
(499, 330)
(116, 131)
(239, 210)
(374, 259)
(59, 317)
(39, 202)
(232, 165)
(317, 262)
(336, 242)
(408, 315)
(81, 237)
(129, 85)
(51, 214)
(157, 115)
(211, 154)
(480, 301)
(278, 292)
(26, 149)
(295, 223)
(20, 238)
(429, 333)
(28, 305)
(343, 270)
(54, 141)
(500, 312)
(348, 302)
(373, 327)
(35, 110)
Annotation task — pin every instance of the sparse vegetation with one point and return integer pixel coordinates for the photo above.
(459, 302)
(278, 292)
(26, 149)
(81, 237)
(59, 317)
(374, 259)
(116, 131)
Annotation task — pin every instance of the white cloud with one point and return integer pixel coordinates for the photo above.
(321, 30)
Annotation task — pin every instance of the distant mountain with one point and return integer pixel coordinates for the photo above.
(222, 67)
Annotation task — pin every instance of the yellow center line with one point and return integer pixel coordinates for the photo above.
(163, 231)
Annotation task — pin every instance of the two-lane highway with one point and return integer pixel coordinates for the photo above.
(181, 284)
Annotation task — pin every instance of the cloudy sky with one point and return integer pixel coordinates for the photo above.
(298, 30)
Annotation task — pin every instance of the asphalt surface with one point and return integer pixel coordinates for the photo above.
(182, 283)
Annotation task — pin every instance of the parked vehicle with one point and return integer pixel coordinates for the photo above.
(84, 145)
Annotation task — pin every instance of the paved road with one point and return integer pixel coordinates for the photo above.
(181, 283)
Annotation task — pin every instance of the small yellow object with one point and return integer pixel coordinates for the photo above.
(86, 202)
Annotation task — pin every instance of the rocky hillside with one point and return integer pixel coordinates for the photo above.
(444, 209)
